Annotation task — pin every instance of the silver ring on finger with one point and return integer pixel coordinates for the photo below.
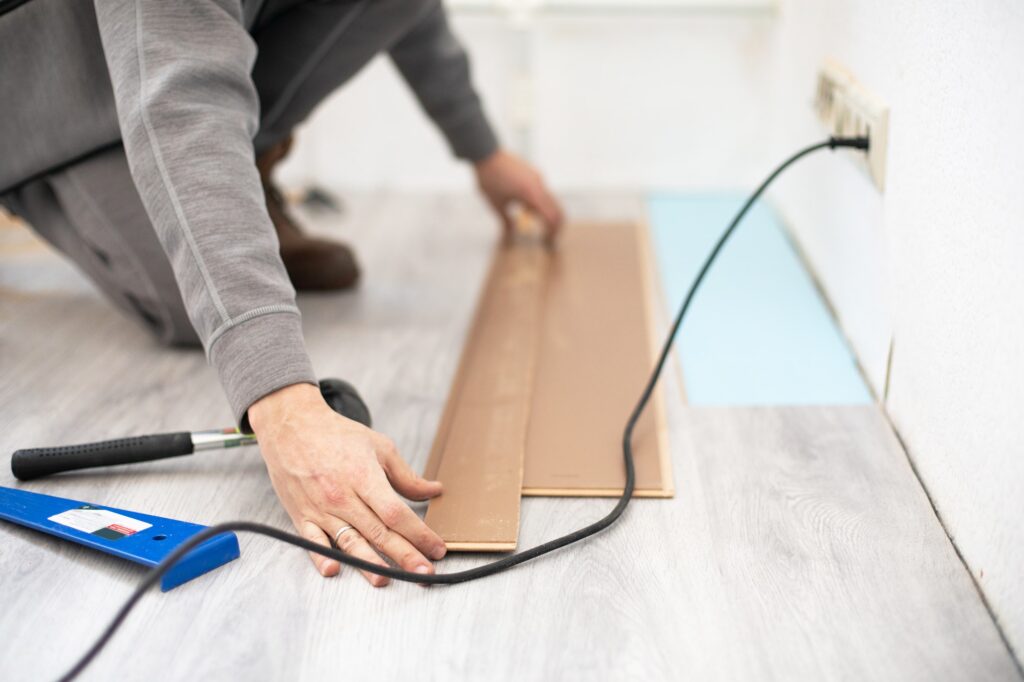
(337, 535)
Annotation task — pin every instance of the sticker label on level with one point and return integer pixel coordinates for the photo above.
(100, 522)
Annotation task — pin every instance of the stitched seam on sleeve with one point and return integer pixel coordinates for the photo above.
(168, 187)
(245, 317)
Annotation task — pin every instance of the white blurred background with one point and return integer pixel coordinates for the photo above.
(617, 94)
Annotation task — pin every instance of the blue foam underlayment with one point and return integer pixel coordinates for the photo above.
(758, 331)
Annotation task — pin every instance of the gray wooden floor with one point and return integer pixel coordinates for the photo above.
(799, 544)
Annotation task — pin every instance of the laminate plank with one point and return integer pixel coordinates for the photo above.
(481, 440)
(594, 357)
(593, 347)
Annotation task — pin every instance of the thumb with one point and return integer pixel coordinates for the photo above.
(508, 226)
(407, 482)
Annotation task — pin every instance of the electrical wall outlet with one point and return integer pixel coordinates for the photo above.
(848, 109)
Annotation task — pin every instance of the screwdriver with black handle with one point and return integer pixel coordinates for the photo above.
(33, 463)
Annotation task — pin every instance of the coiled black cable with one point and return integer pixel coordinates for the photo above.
(154, 576)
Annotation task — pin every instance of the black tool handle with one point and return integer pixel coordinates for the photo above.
(37, 462)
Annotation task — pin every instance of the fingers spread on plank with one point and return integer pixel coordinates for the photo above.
(352, 542)
(387, 541)
(313, 533)
(398, 517)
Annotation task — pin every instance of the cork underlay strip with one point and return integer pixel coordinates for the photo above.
(556, 358)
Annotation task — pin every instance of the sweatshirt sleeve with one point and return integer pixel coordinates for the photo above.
(188, 111)
(436, 67)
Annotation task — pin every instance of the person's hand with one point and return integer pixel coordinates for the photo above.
(330, 472)
(508, 182)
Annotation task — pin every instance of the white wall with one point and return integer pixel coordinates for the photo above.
(937, 262)
(371, 134)
(596, 99)
(711, 100)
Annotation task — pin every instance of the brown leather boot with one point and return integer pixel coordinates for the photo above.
(313, 264)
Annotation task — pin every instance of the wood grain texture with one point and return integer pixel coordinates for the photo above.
(799, 545)
(480, 443)
(590, 332)
(594, 358)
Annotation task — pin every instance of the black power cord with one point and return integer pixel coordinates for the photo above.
(153, 577)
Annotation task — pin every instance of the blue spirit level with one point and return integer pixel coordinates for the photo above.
(141, 538)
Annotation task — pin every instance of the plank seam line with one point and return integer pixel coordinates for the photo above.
(956, 548)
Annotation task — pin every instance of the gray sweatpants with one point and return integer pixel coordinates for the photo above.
(91, 210)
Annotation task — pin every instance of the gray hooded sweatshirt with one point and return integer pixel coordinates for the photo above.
(171, 80)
